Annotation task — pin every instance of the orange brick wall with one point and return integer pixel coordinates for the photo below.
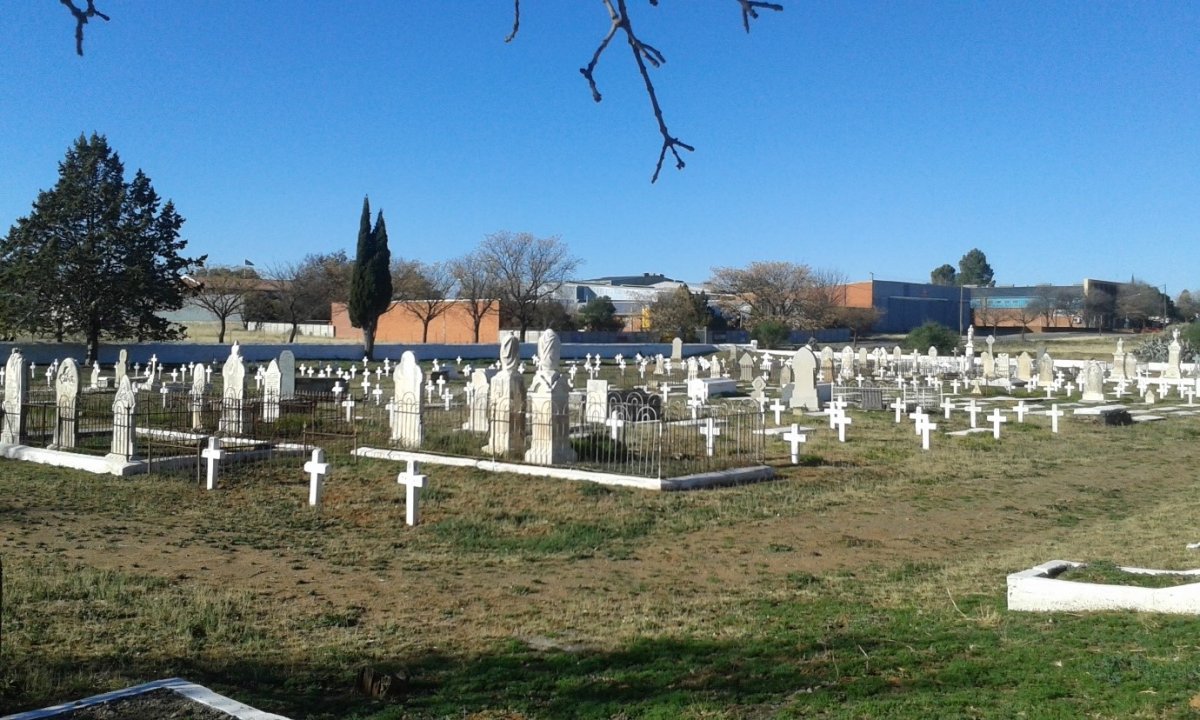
(398, 325)
(1011, 318)
(859, 295)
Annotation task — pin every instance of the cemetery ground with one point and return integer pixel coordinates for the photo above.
(867, 581)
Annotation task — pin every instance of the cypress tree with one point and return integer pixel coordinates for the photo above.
(371, 282)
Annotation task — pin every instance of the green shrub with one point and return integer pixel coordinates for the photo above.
(1157, 348)
(771, 333)
(932, 334)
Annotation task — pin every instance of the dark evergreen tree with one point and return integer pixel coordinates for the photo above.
(973, 269)
(943, 275)
(97, 256)
(371, 283)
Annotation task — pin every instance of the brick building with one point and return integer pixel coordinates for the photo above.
(400, 325)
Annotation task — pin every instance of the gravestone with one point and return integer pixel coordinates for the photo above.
(66, 404)
(1172, 370)
(272, 391)
(121, 368)
(1045, 369)
(758, 389)
(95, 384)
(1120, 368)
(1003, 366)
(1024, 367)
(693, 368)
(804, 389)
(596, 400)
(847, 369)
(714, 367)
(406, 407)
(658, 364)
(863, 360)
(233, 392)
(506, 404)
(16, 393)
(477, 415)
(677, 349)
(550, 442)
(785, 373)
(123, 408)
(287, 375)
(1093, 382)
(989, 364)
(826, 369)
(745, 368)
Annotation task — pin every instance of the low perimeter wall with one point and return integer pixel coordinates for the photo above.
(182, 353)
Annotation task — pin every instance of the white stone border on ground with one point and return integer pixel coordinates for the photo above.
(715, 478)
(189, 690)
(106, 465)
(1037, 590)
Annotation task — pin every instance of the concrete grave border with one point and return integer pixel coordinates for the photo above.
(1038, 590)
(189, 690)
(715, 478)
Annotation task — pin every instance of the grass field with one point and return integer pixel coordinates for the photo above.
(868, 582)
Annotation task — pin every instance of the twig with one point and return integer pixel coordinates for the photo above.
(750, 10)
(516, 21)
(81, 18)
(960, 612)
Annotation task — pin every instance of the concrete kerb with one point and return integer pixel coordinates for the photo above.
(716, 478)
(1039, 590)
(191, 691)
(108, 465)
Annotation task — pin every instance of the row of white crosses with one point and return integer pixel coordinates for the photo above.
(318, 470)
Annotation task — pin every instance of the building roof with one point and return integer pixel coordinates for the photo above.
(643, 280)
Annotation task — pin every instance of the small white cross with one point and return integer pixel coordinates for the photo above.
(378, 393)
(918, 417)
(899, 406)
(947, 406)
(795, 437)
(923, 428)
(614, 423)
(777, 407)
(413, 482)
(164, 392)
(213, 454)
(1054, 414)
(954, 385)
(710, 431)
(317, 470)
(842, 421)
(996, 418)
(337, 389)
(348, 403)
(1021, 409)
(1050, 392)
(974, 410)
(446, 396)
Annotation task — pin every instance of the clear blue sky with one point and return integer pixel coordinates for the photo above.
(1062, 138)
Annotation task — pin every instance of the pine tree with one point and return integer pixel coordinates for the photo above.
(371, 283)
(97, 256)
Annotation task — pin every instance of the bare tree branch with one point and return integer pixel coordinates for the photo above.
(750, 10)
(516, 21)
(81, 18)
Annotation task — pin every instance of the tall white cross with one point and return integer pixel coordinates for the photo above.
(795, 437)
(918, 417)
(317, 470)
(212, 454)
(710, 431)
(996, 418)
(412, 482)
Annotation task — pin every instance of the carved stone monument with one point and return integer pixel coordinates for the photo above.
(16, 392)
(406, 407)
(233, 393)
(548, 408)
(506, 404)
(123, 407)
(66, 404)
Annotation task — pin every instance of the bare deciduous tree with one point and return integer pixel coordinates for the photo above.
(221, 291)
(436, 284)
(526, 269)
(475, 287)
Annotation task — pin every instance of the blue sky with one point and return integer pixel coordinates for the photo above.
(1063, 139)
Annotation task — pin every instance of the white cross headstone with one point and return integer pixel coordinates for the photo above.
(918, 417)
(795, 437)
(317, 470)
(163, 391)
(842, 420)
(996, 418)
(1054, 414)
(947, 406)
(923, 428)
(412, 482)
(614, 423)
(1021, 409)
(710, 431)
(974, 411)
(777, 407)
(212, 454)
(899, 406)
(348, 403)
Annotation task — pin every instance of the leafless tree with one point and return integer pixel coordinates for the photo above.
(437, 283)
(82, 15)
(791, 293)
(302, 291)
(475, 287)
(221, 291)
(526, 269)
